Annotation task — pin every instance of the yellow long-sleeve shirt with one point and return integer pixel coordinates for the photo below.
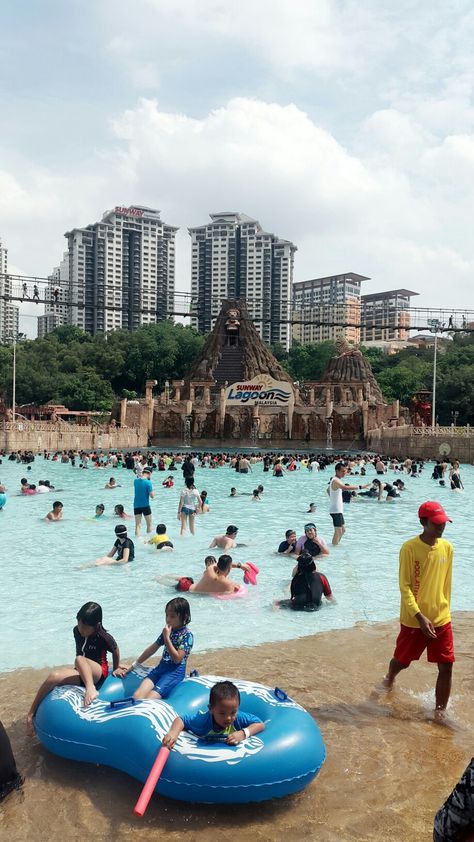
(425, 581)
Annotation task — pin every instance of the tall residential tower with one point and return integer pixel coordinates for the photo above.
(8, 312)
(233, 257)
(121, 273)
(327, 308)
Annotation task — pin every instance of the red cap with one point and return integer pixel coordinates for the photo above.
(434, 512)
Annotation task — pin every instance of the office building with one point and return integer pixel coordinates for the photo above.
(327, 308)
(385, 316)
(121, 273)
(8, 312)
(233, 257)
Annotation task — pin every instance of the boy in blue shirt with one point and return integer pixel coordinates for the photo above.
(222, 722)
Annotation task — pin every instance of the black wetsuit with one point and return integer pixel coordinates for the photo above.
(307, 589)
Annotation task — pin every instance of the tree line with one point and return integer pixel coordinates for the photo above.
(70, 367)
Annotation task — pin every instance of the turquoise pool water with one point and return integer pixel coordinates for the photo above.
(43, 585)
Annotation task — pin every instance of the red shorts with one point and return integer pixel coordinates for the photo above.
(411, 643)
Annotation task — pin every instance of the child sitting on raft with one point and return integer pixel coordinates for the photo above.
(90, 666)
(177, 641)
(161, 539)
(222, 722)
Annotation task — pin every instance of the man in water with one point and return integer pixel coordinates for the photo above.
(336, 505)
(56, 512)
(215, 578)
(227, 541)
(426, 564)
(143, 492)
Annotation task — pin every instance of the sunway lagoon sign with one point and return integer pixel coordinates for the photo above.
(261, 390)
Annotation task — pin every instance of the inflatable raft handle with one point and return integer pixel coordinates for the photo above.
(151, 781)
(280, 695)
(121, 703)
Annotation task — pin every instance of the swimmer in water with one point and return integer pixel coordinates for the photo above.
(99, 511)
(233, 492)
(161, 540)
(312, 509)
(112, 483)
(227, 541)
(56, 512)
(120, 512)
(288, 546)
(123, 549)
(215, 578)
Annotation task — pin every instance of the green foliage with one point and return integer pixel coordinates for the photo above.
(305, 362)
(83, 372)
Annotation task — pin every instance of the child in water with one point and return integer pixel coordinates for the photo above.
(161, 540)
(90, 666)
(123, 548)
(222, 722)
(120, 512)
(177, 641)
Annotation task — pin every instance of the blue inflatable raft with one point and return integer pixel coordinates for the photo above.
(116, 732)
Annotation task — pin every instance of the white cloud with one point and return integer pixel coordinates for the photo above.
(391, 211)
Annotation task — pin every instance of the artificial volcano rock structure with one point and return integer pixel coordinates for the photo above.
(234, 351)
(219, 401)
(350, 370)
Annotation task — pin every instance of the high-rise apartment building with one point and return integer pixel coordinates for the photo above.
(8, 312)
(327, 308)
(233, 257)
(121, 272)
(56, 294)
(385, 316)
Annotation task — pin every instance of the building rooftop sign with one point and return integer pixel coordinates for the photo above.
(130, 211)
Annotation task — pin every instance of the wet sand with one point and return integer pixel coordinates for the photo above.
(389, 766)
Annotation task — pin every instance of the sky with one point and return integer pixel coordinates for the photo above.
(346, 126)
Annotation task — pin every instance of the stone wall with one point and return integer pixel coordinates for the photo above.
(405, 442)
(44, 435)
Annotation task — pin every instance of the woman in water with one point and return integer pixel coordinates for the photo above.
(189, 504)
(455, 477)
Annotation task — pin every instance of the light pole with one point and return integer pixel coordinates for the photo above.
(434, 325)
(14, 379)
(15, 337)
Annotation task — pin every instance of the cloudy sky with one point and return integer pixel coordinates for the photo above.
(346, 126)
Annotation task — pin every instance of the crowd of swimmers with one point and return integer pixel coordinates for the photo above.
(308, 584)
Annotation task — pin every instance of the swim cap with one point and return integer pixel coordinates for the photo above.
(121, 529)
(309, 526)
(232, 530)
